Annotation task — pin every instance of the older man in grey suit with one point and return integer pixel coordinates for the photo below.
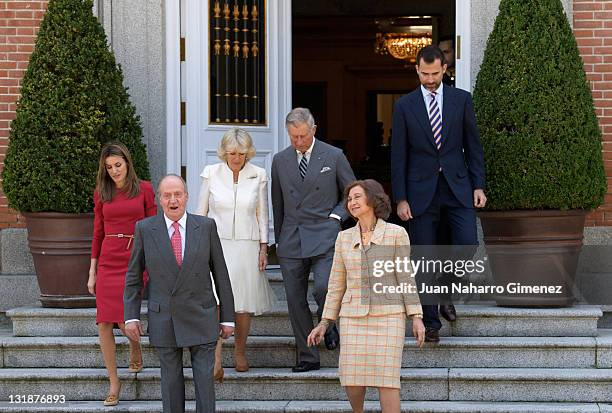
(308, 179)
(180, 251)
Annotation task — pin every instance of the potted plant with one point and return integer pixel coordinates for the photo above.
(72, 101)
(542, 147)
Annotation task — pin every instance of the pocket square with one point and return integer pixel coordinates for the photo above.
(325, 169)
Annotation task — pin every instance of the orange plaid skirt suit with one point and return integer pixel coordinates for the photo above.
(372, 325)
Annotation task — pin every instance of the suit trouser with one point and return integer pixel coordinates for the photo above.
(423, 230)
(295, 277)
(173, 381)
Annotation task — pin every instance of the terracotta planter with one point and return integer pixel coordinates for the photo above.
(61, 247)
(534, 248)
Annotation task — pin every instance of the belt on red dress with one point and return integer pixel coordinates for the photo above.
(131, 237)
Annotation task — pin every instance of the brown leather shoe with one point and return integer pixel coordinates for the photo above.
(432, 335)
(448, 312)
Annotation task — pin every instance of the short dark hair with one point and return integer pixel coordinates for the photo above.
(377, 199)
(430, 54)
(449, 38)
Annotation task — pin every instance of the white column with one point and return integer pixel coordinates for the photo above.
(173, 87)
(463, 45)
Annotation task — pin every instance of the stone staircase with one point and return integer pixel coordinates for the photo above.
(491, 360)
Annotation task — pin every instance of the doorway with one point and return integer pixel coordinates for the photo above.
(333, 46)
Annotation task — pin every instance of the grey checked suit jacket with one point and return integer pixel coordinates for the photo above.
(182, 308)
(302, 226)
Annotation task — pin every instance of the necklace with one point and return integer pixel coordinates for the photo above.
(366, 233)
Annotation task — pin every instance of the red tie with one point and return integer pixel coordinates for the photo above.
(177, 243)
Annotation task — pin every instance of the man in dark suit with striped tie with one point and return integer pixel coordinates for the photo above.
(437, 165)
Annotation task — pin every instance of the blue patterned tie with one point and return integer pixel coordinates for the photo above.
(303, 166)
(435, 118)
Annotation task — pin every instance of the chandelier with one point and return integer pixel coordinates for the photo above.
(399, 45)
(402, 40)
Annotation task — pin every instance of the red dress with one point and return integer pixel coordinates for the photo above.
(110, 219)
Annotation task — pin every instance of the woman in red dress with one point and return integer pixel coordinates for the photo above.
(120, 199)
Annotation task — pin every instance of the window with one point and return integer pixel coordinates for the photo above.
(237, 62)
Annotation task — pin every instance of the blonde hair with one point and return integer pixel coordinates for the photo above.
(236, 139)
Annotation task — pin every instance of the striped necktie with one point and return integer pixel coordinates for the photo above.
(303, 166)
(435, 118)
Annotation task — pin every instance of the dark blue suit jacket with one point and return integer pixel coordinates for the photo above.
(415, 160)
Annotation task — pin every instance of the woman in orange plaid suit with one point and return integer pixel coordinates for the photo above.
(372, 322)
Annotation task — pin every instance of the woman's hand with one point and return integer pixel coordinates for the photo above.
(316, 335)
(418, 330)
(91, 281)
(263, 256)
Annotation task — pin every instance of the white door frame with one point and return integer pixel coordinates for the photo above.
(463, 44)
(173, 86)
(200, 138)
(279, 81)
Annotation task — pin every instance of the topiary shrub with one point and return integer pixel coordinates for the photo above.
(535, 113)
(72, 101)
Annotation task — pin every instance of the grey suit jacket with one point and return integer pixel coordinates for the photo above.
(182, 307)
(302, 226)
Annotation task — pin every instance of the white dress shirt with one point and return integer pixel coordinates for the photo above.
(182, 225)
(439, 98)
(307, 154)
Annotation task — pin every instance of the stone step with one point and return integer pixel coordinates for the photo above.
(313, 406)
(455, 384)
(473, 320)
(486, 352)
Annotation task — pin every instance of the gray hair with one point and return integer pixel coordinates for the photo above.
(236, 139)
(300, 116)
(168, 176)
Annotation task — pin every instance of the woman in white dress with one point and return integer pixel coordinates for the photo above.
(234, 193)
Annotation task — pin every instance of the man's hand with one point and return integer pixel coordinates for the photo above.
(226, 331)
(403, 211)
(134, 330)
(480, 199)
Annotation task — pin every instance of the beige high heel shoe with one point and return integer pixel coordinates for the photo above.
(112, 399)
(136, 366)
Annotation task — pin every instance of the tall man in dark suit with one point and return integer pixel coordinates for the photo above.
(308, 179)
(437, 163)
(180, 251)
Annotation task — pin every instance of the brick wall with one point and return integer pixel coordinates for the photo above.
(593, 30)
(19, 21)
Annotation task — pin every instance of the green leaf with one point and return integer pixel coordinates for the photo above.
(72, 102)
(535, 113)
